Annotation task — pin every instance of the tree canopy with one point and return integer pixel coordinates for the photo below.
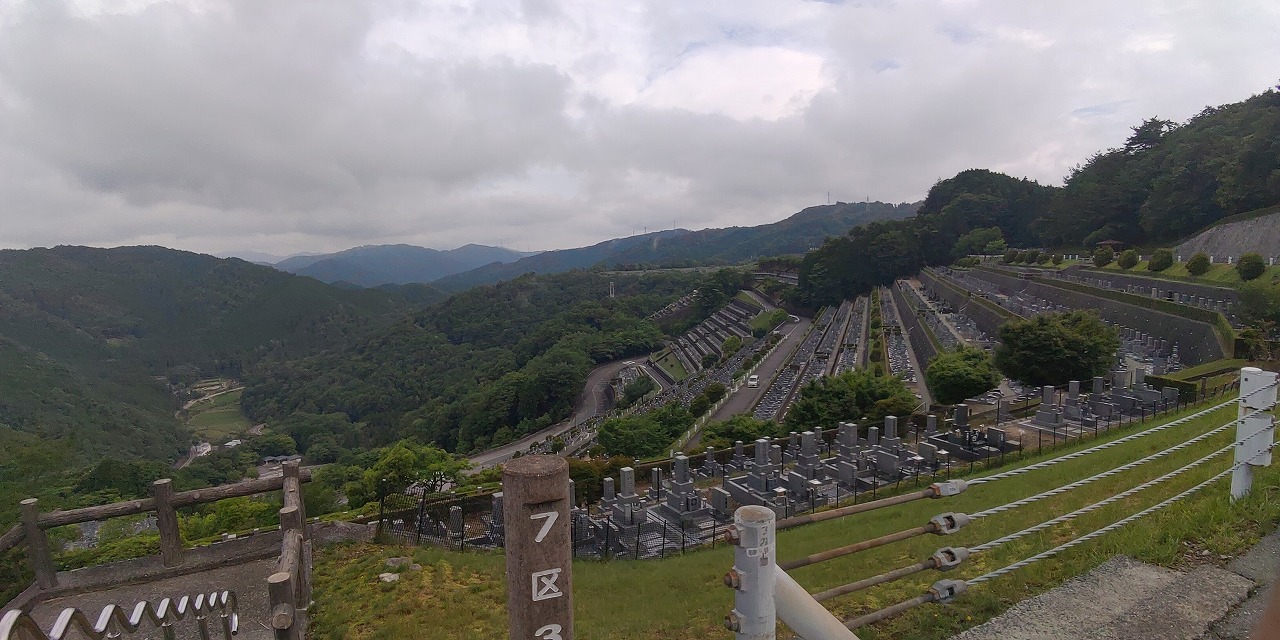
(851, 395)
(1054, 348)
(954, 376)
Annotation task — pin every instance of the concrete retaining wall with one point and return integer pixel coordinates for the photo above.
(987, 320)
(1197, 343)
(920, 343)
(1121, 280)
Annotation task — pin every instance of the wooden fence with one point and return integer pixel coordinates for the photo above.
(289, 586)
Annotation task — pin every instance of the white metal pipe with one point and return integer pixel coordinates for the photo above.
(805, 615)
(1257, 391)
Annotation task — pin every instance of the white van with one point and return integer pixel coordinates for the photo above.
(753, 381)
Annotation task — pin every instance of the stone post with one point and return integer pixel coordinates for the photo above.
(539, 555)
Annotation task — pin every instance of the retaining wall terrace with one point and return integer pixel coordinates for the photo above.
(988, 320)
(1197, 343)
(920, 343)
(1121, 280)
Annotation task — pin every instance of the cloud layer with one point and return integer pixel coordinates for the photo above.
(219, 125)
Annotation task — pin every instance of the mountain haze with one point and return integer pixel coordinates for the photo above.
(374, 265)
(798, 233)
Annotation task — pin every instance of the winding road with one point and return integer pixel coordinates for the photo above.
(591, 401)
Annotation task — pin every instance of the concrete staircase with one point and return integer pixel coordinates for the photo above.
(1124, 599)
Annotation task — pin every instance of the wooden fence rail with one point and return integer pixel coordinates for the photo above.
(164, 502)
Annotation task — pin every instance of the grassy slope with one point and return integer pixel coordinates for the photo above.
(461, 595)
(1218, 274)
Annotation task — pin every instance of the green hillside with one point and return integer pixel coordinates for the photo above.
(93, 340)
(678, 248)
(487, 366)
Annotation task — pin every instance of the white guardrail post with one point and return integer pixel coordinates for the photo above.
(764, 593)
(1257, 391)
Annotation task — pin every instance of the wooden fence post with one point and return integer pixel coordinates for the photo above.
(167, 522)
(293, 485)
(284, 615)
(38, 545)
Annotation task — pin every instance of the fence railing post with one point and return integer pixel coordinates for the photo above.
(38, 545)
(167, 522)
(754, 615)
(1253, 448)
(284, 613)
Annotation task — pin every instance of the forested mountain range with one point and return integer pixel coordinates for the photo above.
(1167, 181)
(370, 266)
(486, 366)
(91, 337)
(798, 233)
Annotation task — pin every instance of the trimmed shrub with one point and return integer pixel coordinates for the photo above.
(1010, 256)
(1103, 256)
(1057, 258)
(1251, 266)
(1128, 259)
(1160, 260)
(1033, 256)
(1199, 264)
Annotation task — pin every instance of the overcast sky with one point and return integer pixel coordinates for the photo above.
(314, 126)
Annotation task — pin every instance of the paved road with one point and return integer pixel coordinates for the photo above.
(745, 399)
(590, 402)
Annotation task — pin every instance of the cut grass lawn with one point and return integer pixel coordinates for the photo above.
(746, 297)
(671, 364)
(462, 595)
(1221, 275)
(768, 320)
(219, 418)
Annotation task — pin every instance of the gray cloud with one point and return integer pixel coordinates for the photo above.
(290, 126)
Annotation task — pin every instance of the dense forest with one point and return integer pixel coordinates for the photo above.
(485, 367)
(95, 342)
(1166, 182)
(876, 253)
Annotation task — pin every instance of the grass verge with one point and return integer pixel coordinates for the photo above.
(462, 595)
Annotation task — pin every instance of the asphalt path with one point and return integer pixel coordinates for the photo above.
(745, 399)
(590, 402)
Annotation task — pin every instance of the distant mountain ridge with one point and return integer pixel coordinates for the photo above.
(798, 233)
(375, 265)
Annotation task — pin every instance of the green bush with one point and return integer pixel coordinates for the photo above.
(1128, 259)
(1199, 264)
(1010, 256)
(1103, 256)
(1160, 260)
(1057, 258)
(1022, 256)
(1032, 256)
(1251, 266)
(1045, 258)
